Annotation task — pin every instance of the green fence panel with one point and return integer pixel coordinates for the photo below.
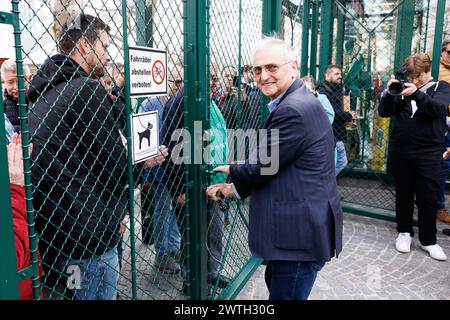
(367, 62)
(85, 197)
(9, 288)
(236, 103)
(85, 187)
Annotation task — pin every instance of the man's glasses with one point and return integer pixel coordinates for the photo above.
(270, 68)
(448, 52)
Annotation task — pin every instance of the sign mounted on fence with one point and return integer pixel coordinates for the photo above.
(148, 71)
(145, 135)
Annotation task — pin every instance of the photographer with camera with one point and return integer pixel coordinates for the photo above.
(443, 214)
(415, 144)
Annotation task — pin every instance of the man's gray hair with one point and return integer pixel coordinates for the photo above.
(10, 66)
(267, 41)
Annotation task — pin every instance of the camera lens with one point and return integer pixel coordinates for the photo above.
(395, 88)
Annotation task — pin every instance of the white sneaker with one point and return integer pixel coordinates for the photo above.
(435, 252)
(403, 242)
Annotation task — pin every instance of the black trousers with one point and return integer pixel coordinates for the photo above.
(419, 178)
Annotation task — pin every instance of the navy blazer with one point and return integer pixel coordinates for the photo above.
(295, 214)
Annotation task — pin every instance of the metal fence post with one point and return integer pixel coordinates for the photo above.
(144, 23)
(144, 30)
(340, 36)
(405, 23)
(313, 49)
(9, 285)
(326, 26)
(23, 109)
(129, 152)
(271, 16)
(305, 38)
(426, 27)
(195, 104)
(438, 30)
(271, 23)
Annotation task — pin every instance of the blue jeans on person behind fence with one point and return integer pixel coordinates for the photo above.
(94, 278)
(341, 157)
(166, 231)
(291, 280)
(445, 168)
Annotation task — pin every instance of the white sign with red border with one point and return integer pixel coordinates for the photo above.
(148, 71)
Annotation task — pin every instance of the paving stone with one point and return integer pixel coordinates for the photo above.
(369, 256)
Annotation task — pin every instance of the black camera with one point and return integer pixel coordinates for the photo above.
(397, 87)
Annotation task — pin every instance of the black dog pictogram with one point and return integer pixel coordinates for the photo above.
(145, 135)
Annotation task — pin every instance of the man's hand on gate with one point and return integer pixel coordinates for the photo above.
(225, 169)
(224, 188)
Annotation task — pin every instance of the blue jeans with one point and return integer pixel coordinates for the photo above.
(165, 232)
(291, 280)
(341, 157)
(94, 278)
(445, 167)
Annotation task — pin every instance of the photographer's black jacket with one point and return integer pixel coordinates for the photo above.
(79, 168)
(422, 134)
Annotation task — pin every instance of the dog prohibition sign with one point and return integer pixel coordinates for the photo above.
(145, 135)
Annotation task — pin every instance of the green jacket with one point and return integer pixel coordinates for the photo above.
(218, 142)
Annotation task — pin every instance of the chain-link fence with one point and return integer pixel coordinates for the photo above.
(101, 219)
(367, 62)
(370, 40)
(98, 217)
(231, 38)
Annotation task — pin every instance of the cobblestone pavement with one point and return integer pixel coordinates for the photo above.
(369, 267)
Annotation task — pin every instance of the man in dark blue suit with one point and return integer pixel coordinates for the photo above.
(295, 212)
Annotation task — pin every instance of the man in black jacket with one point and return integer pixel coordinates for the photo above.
(79, 163)
(332, 88)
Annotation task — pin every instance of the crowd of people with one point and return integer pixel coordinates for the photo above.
(77, 125)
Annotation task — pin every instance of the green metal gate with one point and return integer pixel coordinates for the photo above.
(209, 45)
(186, 30)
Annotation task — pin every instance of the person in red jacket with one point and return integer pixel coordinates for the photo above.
(22, 243)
